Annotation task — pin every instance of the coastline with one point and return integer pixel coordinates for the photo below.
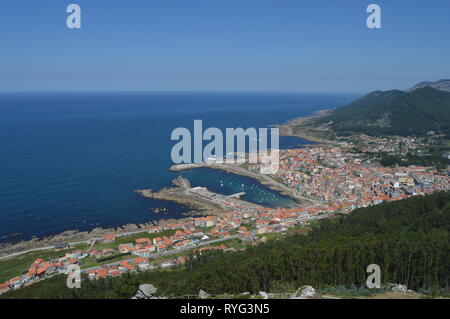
(287, 129)
(199, 209)
(76, 237)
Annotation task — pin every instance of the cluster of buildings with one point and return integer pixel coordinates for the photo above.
(194, 233)
(333, 175)
(392, 144)
(132, 266)
(337, 180)
(41, 269)
(143, 264)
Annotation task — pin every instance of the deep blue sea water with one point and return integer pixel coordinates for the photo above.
(74, 160)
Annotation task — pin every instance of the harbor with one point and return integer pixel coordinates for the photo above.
(200, 199)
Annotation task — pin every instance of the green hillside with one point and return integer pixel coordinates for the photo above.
(365, 103)
(395, 113)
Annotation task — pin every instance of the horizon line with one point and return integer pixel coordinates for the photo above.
(179, 91)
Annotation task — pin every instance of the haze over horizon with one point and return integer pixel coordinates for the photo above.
(308, 46)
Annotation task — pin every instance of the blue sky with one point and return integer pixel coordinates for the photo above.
(222, 45)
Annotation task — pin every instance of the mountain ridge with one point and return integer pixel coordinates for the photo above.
(443, 85)
(418, 111)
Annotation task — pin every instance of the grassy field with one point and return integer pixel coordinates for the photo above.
(301, 230)
(235, 243)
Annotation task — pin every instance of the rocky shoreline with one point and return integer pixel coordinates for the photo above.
(74, 236)
(199, 208)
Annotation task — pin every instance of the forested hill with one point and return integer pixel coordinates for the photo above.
(395, 112)
(409, 239)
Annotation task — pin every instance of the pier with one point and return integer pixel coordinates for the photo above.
(237, 195)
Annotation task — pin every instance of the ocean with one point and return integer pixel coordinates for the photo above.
(72, 161)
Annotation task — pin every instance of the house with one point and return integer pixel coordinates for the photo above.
(142, 241)
(61, 246)
(200, 222)
(32, 271)
(161, 247)
(197, 233)
(16, 282)
(109, 239)
(126, 248)
(125, 266)
(25, 278)
(96, 254)
(168, 242)
(102, 273)
(210, 221)
(92, 274)
(182, 260)
(242, 229)
(187, 242)
(142, 263)
(74, 254)
(38, 261)
(73, 261)
(261, 230)
(261, 223)
(179, 234)
(45, 268)
(114, 273)
(143, 253)
(155, 229)
(188, 232)
(107, 252)
(140, 260)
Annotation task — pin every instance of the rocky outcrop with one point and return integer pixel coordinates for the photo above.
(181, 182)
(305, 292)
(145, 292)
(203, 294)
(400, 288)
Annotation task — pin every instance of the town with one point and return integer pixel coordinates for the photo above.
(334, 178)
(335, 175)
